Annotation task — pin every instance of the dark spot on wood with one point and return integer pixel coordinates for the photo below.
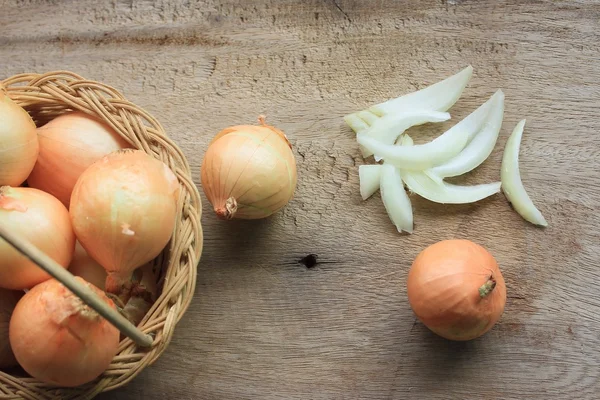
(316, 16)
(570, 330)
(309, 261)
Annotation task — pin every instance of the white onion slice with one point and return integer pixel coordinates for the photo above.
(395, 200)
(445, 193)
(434, 153)
(389, 127)
(355, 122)
(368, 117)
(478, 149)
(512, 186)
(439, 96)
(369, 177)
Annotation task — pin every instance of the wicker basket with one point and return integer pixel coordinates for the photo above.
(49, 95)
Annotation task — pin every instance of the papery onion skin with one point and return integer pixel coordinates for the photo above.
(19, 145)
(512, 186)
(69, 144)
(58, 339)
(87, 268)
(8, 301)
(456, 289)
(123, 210)
(249, 172)
(41, 219)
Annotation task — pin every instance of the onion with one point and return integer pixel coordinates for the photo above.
(355, 122)
(41, 219)
(18, 143)
(58, 339)
(369, 177)
(123, 211)
(143, 294)
(249, 172)
(436, 152)
(87, 268)
(68, 145)
(456, 289)
(442, 192)
(437, 97)
(395, 200)
(512, 186)
(368, 117)
(389, 127)
(479, 149)
(8, 301)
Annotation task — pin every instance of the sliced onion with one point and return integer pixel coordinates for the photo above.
(369, 177)
(395, 200)
(512, 186)
(439, 96)
(479, 149)
(434, 153)
(368, 117)
(355, 123)
(389, 127)
(445, 193)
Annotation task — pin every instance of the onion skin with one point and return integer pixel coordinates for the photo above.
(123, 211)
(456, 289)
(44, 221)
(8, 301)
(69, 144)
(19, 145)
(249, 172)
(58, 339)
(87, 268)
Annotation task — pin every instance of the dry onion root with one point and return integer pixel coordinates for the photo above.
(512, 186)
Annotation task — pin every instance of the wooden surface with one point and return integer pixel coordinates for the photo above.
(263, 326)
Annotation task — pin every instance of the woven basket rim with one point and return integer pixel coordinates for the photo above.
(60, 91)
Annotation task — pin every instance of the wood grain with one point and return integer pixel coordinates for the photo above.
(262, 325)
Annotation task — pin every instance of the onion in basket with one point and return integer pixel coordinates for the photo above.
(68, 145)
(41, 219)
(19, 145)
(123, 210)
(58, 339)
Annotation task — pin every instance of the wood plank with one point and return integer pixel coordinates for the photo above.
(264, 326)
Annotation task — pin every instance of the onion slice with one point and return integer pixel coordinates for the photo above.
(355, 122)
(479, 149)
(512, 186)
(445, 193)
(434, 153)
(439, 96)
(369, 177)
(368, 117)
(395, 200)
(388, 128)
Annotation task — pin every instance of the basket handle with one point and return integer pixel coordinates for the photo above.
(82, 291)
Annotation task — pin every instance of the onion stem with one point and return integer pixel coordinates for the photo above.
(487, 287)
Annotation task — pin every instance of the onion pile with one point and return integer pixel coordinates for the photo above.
(95, 207)
(422, 168)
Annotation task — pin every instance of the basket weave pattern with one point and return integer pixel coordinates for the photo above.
(46, 96)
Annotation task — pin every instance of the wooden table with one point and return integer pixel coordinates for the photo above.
(264, 326)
